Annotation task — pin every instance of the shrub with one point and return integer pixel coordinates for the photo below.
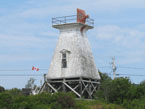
(41, 106)
(135, 104)
(42, 98)
(25, 105)
(64, 100)
(15, 92)
(18, 102)
(5, 100)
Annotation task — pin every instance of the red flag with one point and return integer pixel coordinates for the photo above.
(81, 16)
(37, 69)
(34, 68)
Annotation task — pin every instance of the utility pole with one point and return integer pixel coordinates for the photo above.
(114, 67)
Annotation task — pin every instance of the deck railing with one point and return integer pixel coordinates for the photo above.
(70, 19)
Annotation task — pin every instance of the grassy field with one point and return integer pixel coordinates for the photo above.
(97, 104)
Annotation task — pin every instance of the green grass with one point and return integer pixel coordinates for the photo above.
(97, 104)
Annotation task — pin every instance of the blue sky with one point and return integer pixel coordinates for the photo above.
(27, 37)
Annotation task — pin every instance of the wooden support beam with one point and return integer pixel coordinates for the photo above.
(59, 88)
(72, 89)
(81, 87)
(42, 87)
(85, 87)
(76, 87)
(52, 87)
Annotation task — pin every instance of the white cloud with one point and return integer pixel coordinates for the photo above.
(25, 48)
(141, 27)
(36, 12)
(49, 34)
(117, 4)
(125, 43)
(47, 8)
(10, 41)
(22, 57)
(121, 36)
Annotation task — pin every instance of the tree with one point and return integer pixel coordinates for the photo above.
(141, 89)
(115, 90)
(2, 89)
(30, 83)
(119, 89)
(142, 82)
(104, 77)
(132, 92)
(104, 86)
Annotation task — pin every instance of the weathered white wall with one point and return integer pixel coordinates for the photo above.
(80, 61)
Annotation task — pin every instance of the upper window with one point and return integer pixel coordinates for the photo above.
(64, 61)
(64, 58)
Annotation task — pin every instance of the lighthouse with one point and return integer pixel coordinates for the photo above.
(72, 68)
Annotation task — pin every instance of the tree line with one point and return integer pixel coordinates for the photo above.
(119, 91)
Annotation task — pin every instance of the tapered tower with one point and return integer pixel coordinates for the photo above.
(73, 67)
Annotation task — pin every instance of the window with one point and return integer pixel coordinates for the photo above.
(64, 62)
(64, 58)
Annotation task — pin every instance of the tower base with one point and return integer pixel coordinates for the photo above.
(81, 87)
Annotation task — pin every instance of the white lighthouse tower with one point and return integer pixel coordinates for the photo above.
(73, 67)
